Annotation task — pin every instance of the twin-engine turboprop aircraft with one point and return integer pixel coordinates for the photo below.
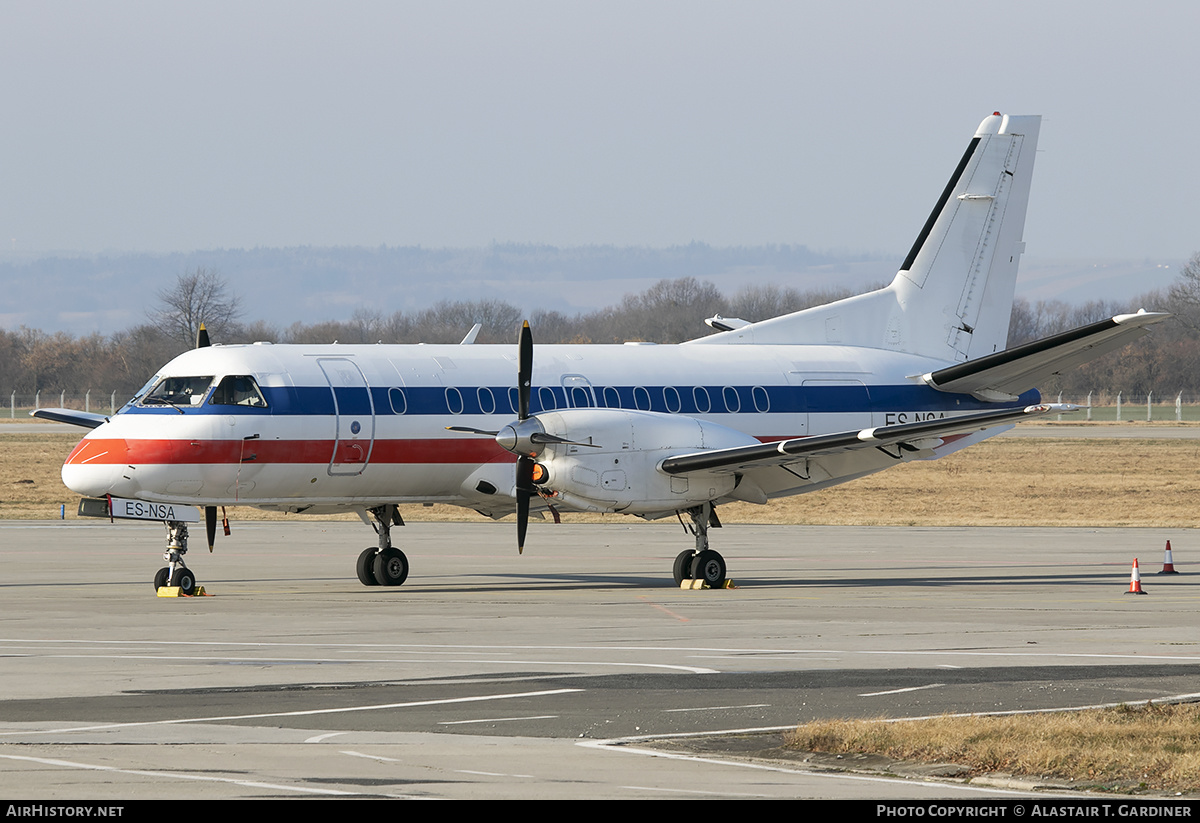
(788, 405)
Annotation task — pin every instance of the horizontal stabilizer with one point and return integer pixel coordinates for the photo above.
(1006, 374)
(76, 418)
(905, 436)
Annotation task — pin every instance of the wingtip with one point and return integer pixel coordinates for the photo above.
(1141, 317)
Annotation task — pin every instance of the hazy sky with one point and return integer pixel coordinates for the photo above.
(165, 126)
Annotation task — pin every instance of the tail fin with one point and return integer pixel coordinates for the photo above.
(952, 298)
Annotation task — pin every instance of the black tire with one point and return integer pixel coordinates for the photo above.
(709, 566)
(162, 577)
(185, 580)
(366, 567)
(391, 567)
(683, 566)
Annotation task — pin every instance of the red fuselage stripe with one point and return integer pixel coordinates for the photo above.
(262, 452)
(166, 452)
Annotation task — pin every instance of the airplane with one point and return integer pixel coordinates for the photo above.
(759, 410)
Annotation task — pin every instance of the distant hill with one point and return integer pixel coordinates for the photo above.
(110, 292)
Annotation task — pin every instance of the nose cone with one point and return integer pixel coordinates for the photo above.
(93, 481)
(97, 467)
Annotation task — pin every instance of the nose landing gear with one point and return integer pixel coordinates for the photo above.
(176, 573)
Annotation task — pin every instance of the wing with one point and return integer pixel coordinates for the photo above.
(88, 420)
(905, 436)
(1006, 374)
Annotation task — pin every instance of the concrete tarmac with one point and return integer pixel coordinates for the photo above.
(489, 675)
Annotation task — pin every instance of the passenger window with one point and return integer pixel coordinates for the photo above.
(238, 390)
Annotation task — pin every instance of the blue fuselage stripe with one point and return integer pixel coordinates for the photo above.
(688, 400)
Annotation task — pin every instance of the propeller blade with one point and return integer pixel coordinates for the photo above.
(524, 370)
(543, 437)
(524, 493)
(470, 430)
(210, 525)
(202, 337)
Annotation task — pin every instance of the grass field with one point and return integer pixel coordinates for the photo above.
(1128, 749)
(1001, 482)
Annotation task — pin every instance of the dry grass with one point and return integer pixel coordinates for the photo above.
(1128, 748)
(1001, 482)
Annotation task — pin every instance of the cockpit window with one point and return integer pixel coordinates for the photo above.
(180, 392)
(151, 383)
(238, 390)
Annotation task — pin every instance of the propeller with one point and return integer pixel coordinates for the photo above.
(210, 512)
(210, 525)
(524, 461)
(525, 437)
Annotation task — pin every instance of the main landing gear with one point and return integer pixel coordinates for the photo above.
(176, 573)
(383, 565)
(701, 563)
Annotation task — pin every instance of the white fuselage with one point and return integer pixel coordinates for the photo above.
(360, 426)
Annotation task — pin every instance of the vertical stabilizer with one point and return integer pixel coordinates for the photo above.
(952, 297)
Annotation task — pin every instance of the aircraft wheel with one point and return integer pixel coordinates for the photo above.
(709, 566)
(185, 580)
(366, 567)
(683, 566)
(162, 577)
(391, 567)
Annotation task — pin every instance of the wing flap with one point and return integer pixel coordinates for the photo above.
(1010, 372)
(782, 452)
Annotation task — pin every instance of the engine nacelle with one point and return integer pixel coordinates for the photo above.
(622, 474)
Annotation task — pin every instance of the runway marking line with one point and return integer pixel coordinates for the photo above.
(496, 720)
(902, 691)
(621, 744)
(695, 650)
(304, 713)
(372, 757)
(263, 661)
(663, 609)
(250, 784)
(491, 774)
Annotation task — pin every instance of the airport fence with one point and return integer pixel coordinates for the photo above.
(1122, 408)
(102, 402)
(1098, 407)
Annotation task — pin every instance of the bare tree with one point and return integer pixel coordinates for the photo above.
(1184, 296)
(198, 296)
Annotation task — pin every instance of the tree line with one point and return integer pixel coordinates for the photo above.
(1165, 362)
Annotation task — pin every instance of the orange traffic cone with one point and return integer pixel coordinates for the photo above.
(1168, 563)
(1135, 580)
